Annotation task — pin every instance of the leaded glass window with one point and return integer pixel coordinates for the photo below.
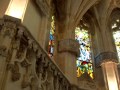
(116, 35)
(84, 62)
(51, 38)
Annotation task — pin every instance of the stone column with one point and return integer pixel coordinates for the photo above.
(104, 53)
(108, 61)
(7, 34)
(66, 52)
(68, 15)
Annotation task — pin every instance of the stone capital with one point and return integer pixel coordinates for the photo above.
(106, 57)
(69, 45)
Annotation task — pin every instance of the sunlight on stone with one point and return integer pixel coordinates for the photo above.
(17, 8)
(110, 74)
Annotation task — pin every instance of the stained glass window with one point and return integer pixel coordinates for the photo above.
(51, 38)
(84, 62)
(116, 34)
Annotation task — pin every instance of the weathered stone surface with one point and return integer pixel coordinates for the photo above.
(69, 45)
(86, 83)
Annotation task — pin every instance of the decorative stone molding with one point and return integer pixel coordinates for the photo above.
(25, 63)
(7, 18)
(106, 57)
(14, 68)
(69, 45)
(9, 26)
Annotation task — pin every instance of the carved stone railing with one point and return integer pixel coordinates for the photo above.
(25, 61)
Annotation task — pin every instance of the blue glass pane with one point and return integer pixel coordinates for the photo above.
(84, 62)
(51, 39)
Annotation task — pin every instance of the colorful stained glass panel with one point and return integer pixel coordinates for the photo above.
(84, 62)
(51, 38)
(116, 36)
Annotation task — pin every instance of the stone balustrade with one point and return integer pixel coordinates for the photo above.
(26, 64)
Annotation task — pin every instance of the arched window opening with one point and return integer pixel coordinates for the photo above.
(84, 62)
(51, 38)
(116, 35)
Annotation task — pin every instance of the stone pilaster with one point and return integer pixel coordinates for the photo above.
(108, 61)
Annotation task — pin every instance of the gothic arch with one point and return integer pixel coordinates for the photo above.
(115, 13)
(87, 27)
(115, 28)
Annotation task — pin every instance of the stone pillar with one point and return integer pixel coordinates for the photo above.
(68, 15)
(108, 61)
(68, 50)
(104, 52)
(7, 34)
(111, 75)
